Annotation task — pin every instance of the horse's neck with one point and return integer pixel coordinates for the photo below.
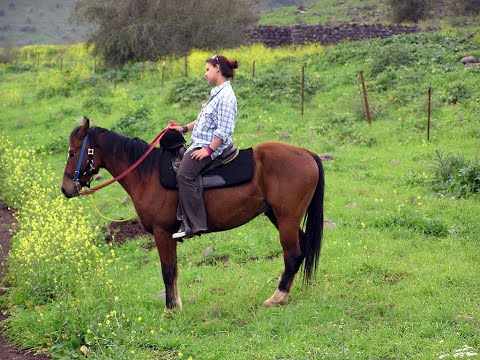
(116, 165)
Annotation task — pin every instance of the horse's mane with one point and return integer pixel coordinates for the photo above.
(122, 146)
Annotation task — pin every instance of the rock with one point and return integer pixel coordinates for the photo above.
(351, 206)
(162, 295)
(207, 252)
(327, 156)
(475, 65)
(98, 177)
(302, 8)
(328, 224)
(191, 298)
(467, 318)
(469, 60)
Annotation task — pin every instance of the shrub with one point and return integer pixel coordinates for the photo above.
(58, 265)
(188, 91)
(135, 124)
(8, 54)
(409, 10)
(18, 68)
(453, 175)
(392, 57)
(456, 92)
(56, 146)
(98, 104)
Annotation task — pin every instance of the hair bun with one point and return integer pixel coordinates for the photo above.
(233, 64)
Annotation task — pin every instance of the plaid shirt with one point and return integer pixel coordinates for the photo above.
(217, 119)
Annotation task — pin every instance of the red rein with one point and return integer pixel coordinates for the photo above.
(132, 167)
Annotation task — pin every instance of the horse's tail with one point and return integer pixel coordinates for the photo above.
(313, 227)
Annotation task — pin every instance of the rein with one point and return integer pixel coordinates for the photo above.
(126, 172)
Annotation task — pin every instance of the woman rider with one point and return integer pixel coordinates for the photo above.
(211, 135)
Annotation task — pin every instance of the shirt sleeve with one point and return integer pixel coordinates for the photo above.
(226, 115)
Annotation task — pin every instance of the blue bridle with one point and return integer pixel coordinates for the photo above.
(76, 175)
(79, 172)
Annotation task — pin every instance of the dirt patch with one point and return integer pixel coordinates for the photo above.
(7, 222)
(120, 232)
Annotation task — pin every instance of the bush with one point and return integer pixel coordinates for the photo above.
(8, 53)
(453, 175)
(189, 91)
(456, 92)
(391, 57)
(409, 10)
(98, 104)
(464, 7)
(57, 146)
(135, 124)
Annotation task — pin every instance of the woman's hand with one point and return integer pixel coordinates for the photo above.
(176, 127)
(200, 154)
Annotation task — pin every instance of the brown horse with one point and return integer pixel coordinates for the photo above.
(287, 186)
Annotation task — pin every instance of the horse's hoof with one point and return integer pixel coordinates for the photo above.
(170, 313)
(278, 298)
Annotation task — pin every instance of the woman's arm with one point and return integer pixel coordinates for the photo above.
(180, 128)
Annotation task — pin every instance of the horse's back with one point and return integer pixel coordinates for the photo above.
(274, 156)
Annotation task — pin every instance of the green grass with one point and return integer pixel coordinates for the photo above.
(398, 277)
(329, 12)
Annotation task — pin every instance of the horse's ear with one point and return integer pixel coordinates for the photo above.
(85, 126)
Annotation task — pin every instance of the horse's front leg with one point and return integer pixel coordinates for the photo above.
(167, 249)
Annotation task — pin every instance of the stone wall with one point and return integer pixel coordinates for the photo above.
(325, 34)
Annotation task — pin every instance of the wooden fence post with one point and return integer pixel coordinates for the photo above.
(163, 72)
(429, 111)
(303, 88)
(365, 98)
(186, 65)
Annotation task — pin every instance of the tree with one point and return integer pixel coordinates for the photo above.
(9, 52)
(409, 10)
(140, 30)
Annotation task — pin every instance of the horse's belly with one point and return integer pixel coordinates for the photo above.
(231, 207)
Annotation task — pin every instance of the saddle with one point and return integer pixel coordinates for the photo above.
(232, 167)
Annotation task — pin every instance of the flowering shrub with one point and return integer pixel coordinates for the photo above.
(58, 267)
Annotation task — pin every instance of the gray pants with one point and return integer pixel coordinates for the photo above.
(191, 205)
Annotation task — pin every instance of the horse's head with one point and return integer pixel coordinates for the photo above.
(82, 162)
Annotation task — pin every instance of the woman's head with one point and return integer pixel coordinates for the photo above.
(219, 67)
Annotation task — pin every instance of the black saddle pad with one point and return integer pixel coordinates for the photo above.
(236, 172)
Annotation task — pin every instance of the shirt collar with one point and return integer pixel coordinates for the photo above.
(217, 89)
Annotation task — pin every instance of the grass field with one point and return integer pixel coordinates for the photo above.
(398, 276)
(329, 12)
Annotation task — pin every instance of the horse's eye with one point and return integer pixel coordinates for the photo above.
(71, 153)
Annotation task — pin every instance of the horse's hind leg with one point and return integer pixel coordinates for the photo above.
(292, 257)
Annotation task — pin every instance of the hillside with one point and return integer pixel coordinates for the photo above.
(44, 22)
(398, 276)
(339, 11)
(47, 21)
